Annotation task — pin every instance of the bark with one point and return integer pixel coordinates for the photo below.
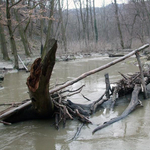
(108, 88)
(2, 38)
(38, 83)
(83, 23)
(41, 105)
(11, 34)
(142, 76)
(87, 19)
(9, 113)
(42, 7)
(3, 43)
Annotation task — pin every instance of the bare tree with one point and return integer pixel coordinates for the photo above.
(51, 13)
(118, 24)
(95, 22)
(63, 29)
(21, 32)
(11, 32)
(2, 37)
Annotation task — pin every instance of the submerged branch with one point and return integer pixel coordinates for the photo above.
(77, 132)
(132, 105)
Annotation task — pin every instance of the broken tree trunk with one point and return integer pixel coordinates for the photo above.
(41, 105)
(108, 88)
(38, 83)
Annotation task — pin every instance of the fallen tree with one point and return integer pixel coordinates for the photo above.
(45, 103)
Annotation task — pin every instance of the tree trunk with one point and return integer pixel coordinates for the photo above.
(95, 22)
(38, 83)
(87, 19)
(78, 20)
(12, 40)
(83, 23)
(22, 34)
(49, 28)
(118, 24)
(3, 43)
(63, 29)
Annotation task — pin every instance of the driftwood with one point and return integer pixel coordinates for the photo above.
(132, 105)
(77, 132)
(23, 64)
(142, 76)
(46, 103)
(116, 55)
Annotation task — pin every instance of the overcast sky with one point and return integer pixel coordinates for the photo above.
(99, 3)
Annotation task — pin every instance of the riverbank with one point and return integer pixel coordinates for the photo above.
(6, 66)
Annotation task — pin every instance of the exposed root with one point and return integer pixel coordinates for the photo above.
(132, 105)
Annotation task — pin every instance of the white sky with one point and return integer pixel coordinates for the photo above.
(99, 3)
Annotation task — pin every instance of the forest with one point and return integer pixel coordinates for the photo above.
(44, 30)
(27, 25)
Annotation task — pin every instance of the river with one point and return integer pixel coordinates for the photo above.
(127, 134)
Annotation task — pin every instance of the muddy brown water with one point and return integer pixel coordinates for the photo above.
(131, 133)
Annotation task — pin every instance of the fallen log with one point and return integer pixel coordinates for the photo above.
(132, 105)
(84, 75)
(11, 112)
(45, 103)
(116, 55)
(23, 64)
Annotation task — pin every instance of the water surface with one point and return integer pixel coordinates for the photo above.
(127, 134)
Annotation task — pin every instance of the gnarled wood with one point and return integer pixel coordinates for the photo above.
(38, 83)
(132, 105)
(43, 101)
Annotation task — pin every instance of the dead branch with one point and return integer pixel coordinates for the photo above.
(15, 110)
(77, 132)
(85, 97)
(132, 105)
(97, 103)
(80, 88)
(82, 118)
(84, 75)
(141, 73)
(5, 123)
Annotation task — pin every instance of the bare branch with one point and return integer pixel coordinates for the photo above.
(15, 4)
